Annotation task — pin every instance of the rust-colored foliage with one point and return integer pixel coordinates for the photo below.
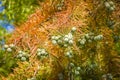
(37, 29)
(36, 32)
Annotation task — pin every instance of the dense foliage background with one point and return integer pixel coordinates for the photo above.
(59, 40)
